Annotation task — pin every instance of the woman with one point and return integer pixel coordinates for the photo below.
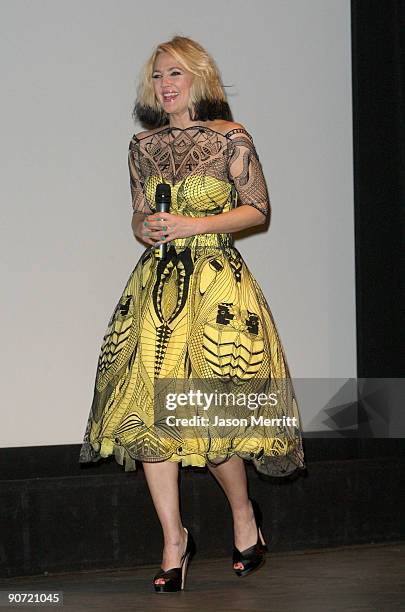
(196, 314)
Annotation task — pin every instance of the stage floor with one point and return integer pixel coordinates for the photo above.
(359, 578)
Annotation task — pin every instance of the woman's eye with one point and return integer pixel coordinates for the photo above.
(174, 73)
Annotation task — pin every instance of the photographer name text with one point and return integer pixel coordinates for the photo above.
(203, 421)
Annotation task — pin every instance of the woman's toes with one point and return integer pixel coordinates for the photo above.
(238, 565)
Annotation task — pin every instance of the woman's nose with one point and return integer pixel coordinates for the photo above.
(166, 80)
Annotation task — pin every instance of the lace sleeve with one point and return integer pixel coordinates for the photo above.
(139, 203)
(245, 171)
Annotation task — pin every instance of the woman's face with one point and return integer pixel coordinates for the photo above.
(172, 83)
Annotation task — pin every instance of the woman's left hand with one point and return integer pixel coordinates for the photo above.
(163, 226)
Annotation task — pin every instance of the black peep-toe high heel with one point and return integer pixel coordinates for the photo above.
(175, 577)
(253, 557)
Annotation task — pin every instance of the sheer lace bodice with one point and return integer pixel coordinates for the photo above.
(209, 172)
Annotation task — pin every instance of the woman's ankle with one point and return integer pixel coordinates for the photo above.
(175, 539)
(243, 513)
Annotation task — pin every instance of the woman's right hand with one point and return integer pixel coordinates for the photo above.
(144, 233)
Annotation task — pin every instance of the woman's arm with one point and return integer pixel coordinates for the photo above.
(232, 221)
(246, 172)
(137, 225)
(181, 226)
(140, 208)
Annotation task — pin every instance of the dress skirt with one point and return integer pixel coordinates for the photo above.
(196, 320)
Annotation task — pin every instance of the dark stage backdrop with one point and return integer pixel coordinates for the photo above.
(378, 60)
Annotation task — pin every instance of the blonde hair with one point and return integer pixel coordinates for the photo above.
(207, 95)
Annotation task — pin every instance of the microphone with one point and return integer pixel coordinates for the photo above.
(162, 200)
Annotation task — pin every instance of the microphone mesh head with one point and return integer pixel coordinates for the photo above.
(163, 190)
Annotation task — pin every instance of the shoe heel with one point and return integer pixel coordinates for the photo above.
(184, 572)
(259, 520)
(190, 551)
(261, 538)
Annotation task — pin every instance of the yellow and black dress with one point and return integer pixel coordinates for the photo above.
(198, 315)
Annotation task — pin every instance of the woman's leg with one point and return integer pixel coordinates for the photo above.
(162, 479)
(231, 475)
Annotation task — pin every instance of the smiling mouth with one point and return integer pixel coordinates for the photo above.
(169, 97)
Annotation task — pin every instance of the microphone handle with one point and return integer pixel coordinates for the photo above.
(161, 250)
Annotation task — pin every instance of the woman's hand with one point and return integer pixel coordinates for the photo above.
(161, 227)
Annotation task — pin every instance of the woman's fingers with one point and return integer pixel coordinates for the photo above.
(156, 234)
(156, 229)
(155, 222)
(153, 229)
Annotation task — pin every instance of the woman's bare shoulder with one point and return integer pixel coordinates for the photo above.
(224, 126)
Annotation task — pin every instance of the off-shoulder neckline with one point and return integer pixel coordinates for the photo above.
(200, 128)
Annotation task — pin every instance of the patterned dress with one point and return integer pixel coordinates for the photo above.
(195, 319)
